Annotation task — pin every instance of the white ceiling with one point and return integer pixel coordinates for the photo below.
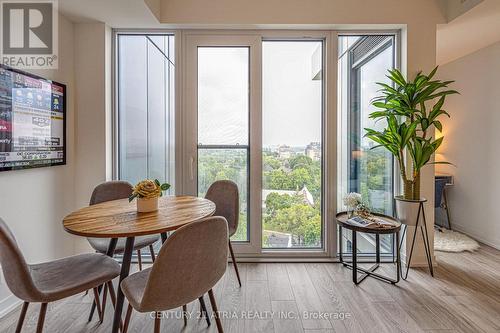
(115, 13)
(474, 23)
(477, 28)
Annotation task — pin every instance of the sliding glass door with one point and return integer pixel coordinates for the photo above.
(220, 122)
(254, 115)
(223, 129)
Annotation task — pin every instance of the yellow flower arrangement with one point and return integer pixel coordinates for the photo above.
(148, 189)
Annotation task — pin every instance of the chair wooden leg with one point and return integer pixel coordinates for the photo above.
(215, 310)
(21, 317)
(112, 295)
(203, 309)
(41, 318)
(157, 322)
(184, 314)
(152, 251)
(104, 299)
(234, 262)
(139, 259)
(127, 318)
(98, 305)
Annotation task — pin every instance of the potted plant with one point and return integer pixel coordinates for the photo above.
(147, 193)
(410, 109)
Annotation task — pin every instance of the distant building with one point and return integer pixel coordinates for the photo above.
(285, 152)
(278, 239)
(313, 151)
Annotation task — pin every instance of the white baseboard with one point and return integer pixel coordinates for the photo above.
(480, 239)
(8, 304)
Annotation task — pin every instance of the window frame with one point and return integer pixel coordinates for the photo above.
(115, 117)
(352, 75)
(324, 220)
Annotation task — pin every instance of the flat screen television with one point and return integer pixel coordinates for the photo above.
(32, 121)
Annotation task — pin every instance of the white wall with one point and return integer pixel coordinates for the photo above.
(472, 139)
(93, 117)
(36, 200)
(33, 202)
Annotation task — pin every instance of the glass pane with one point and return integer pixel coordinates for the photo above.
(221, 164)
(145, 107)
(292, 144)
(132, 107)
(223, 99)
(375, 165)
(363, 61)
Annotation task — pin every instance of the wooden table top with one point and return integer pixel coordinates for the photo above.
(119, 218)
(342, 220)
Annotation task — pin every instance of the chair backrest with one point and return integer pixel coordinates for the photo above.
(112, 190)
(188, 265)
(15, 270)
(438, 191)
(225, 195)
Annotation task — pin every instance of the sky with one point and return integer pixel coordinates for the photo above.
(291, 109)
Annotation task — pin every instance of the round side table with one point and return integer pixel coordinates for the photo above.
(342, 223)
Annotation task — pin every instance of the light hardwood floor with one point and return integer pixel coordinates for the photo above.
(464, 296)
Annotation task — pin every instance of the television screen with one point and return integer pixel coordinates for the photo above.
(32, 121)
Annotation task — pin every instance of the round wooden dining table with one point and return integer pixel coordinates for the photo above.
(119, 218)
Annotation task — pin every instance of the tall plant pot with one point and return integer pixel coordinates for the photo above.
(407, 210)
(412, 213)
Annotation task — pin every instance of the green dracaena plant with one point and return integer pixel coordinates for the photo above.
(408, 109)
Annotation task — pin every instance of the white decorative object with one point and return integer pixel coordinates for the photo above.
(453, 241)
(351, 201)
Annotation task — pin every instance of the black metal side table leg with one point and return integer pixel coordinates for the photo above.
(340, 245)
(354, 258)
(110, 253)
(127, 258)
(398, 258)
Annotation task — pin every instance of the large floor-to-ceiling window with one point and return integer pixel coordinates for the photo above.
(267, 110)
(363, 60)
(145, 107)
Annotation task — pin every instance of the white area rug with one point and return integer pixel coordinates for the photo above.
(453, 241)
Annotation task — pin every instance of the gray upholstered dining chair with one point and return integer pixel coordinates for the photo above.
(225, 195)
(188, 265)
(114, 190)
(55, 280)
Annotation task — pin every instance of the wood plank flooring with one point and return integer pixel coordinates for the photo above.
(464, 296)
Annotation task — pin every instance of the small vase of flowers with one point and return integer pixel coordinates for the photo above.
(147, 193)
(351, 201)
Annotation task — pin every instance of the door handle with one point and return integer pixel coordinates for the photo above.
(191, 171)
